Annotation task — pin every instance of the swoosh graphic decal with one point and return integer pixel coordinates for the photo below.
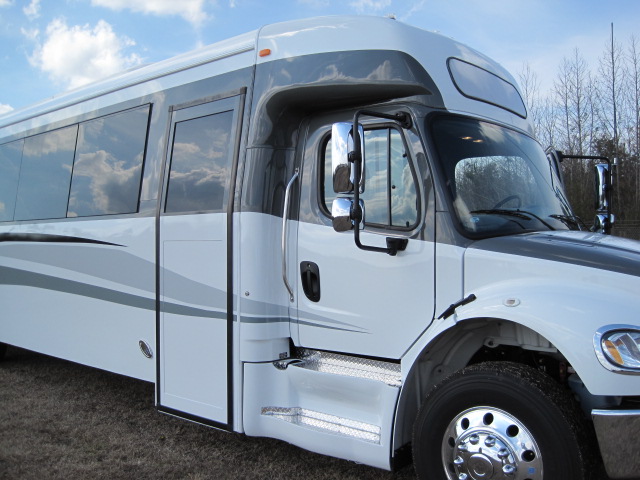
(14, 276)
(48, 238)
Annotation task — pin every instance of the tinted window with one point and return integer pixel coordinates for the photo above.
(45, 175)
(389, 197)
(200, 164)
(108, 164)
(480, 84)
(500, 181)
(10, 154)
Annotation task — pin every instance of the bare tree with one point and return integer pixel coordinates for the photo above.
(610, 91)
(633, 92)
(530, 86)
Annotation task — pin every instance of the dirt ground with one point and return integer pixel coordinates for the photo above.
(60, 420)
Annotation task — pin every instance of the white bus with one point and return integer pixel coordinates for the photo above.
(338, 232)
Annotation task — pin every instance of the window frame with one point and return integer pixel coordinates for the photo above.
(230, 102)
(80, 120)
(17, 179)
(369, 226)
(30, 186)
(143, 161)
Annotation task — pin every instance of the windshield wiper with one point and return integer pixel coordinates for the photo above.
(570, 221)
(523, 214)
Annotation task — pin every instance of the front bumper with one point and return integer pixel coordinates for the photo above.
(617, 432)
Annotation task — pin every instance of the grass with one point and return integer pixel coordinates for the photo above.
(60, 420)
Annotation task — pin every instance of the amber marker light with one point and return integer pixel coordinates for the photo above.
(264, 52)
(613, 352)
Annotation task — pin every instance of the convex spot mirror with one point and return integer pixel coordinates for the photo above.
(343, 214)
(344, 172)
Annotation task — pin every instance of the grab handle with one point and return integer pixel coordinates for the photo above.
(285, 215)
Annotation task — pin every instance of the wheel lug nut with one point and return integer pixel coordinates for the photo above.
(508, 469)
(490, 441)
(474, 439)
(503, 453)
(463, 476)
(463, 447)
(458, 461)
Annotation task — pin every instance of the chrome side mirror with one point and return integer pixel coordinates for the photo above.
(342, 144)
(603, 187)
(343, 214)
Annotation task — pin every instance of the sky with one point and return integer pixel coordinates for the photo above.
(49, 46)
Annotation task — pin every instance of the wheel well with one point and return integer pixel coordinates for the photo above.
(472, 342)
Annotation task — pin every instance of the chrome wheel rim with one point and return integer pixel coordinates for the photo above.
(486, 443)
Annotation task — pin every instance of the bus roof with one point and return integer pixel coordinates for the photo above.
(281, 40)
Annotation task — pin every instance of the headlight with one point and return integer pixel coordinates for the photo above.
(618, 348)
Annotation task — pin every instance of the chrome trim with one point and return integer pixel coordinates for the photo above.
(324, 422)
(285, 214)
(602, 357)
(479, 444)
(617, 433)
(337, 364)
(615, 413)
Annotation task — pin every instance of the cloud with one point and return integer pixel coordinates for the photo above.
(6, 3)
(5, 108)
(32, 11)
(190, 10)
(369, 6)
(32, 34)
(415, 8)
(77, 55)
(315, 3)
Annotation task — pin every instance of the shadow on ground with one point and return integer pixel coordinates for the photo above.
(63, 420)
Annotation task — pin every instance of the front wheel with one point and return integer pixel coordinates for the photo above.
(499, 420)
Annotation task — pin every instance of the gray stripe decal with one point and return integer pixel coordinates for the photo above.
(103, 265)
(259, 320)
(13, 276)
(262, 319)
(565, 249)
(317, 325)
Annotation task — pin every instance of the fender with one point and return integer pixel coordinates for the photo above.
(546, 304)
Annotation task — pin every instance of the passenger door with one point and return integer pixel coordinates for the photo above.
(195, 324)
(355, 301)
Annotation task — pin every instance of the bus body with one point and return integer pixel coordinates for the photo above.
(178, 223)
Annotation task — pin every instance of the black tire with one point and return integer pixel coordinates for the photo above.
(500, 420)
(3, 350)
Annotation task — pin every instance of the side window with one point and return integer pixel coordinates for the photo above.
(390, 196)
(200, 164)
(45, 175)
(10, 155)
(108, 164)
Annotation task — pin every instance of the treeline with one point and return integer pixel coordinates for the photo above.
(593, 111)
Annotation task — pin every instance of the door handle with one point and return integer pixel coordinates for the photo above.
(285, 215)
(310, 276)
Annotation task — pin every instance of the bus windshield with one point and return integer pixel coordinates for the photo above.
(500, 180)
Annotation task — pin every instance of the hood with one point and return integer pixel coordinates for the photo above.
(586, 249)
